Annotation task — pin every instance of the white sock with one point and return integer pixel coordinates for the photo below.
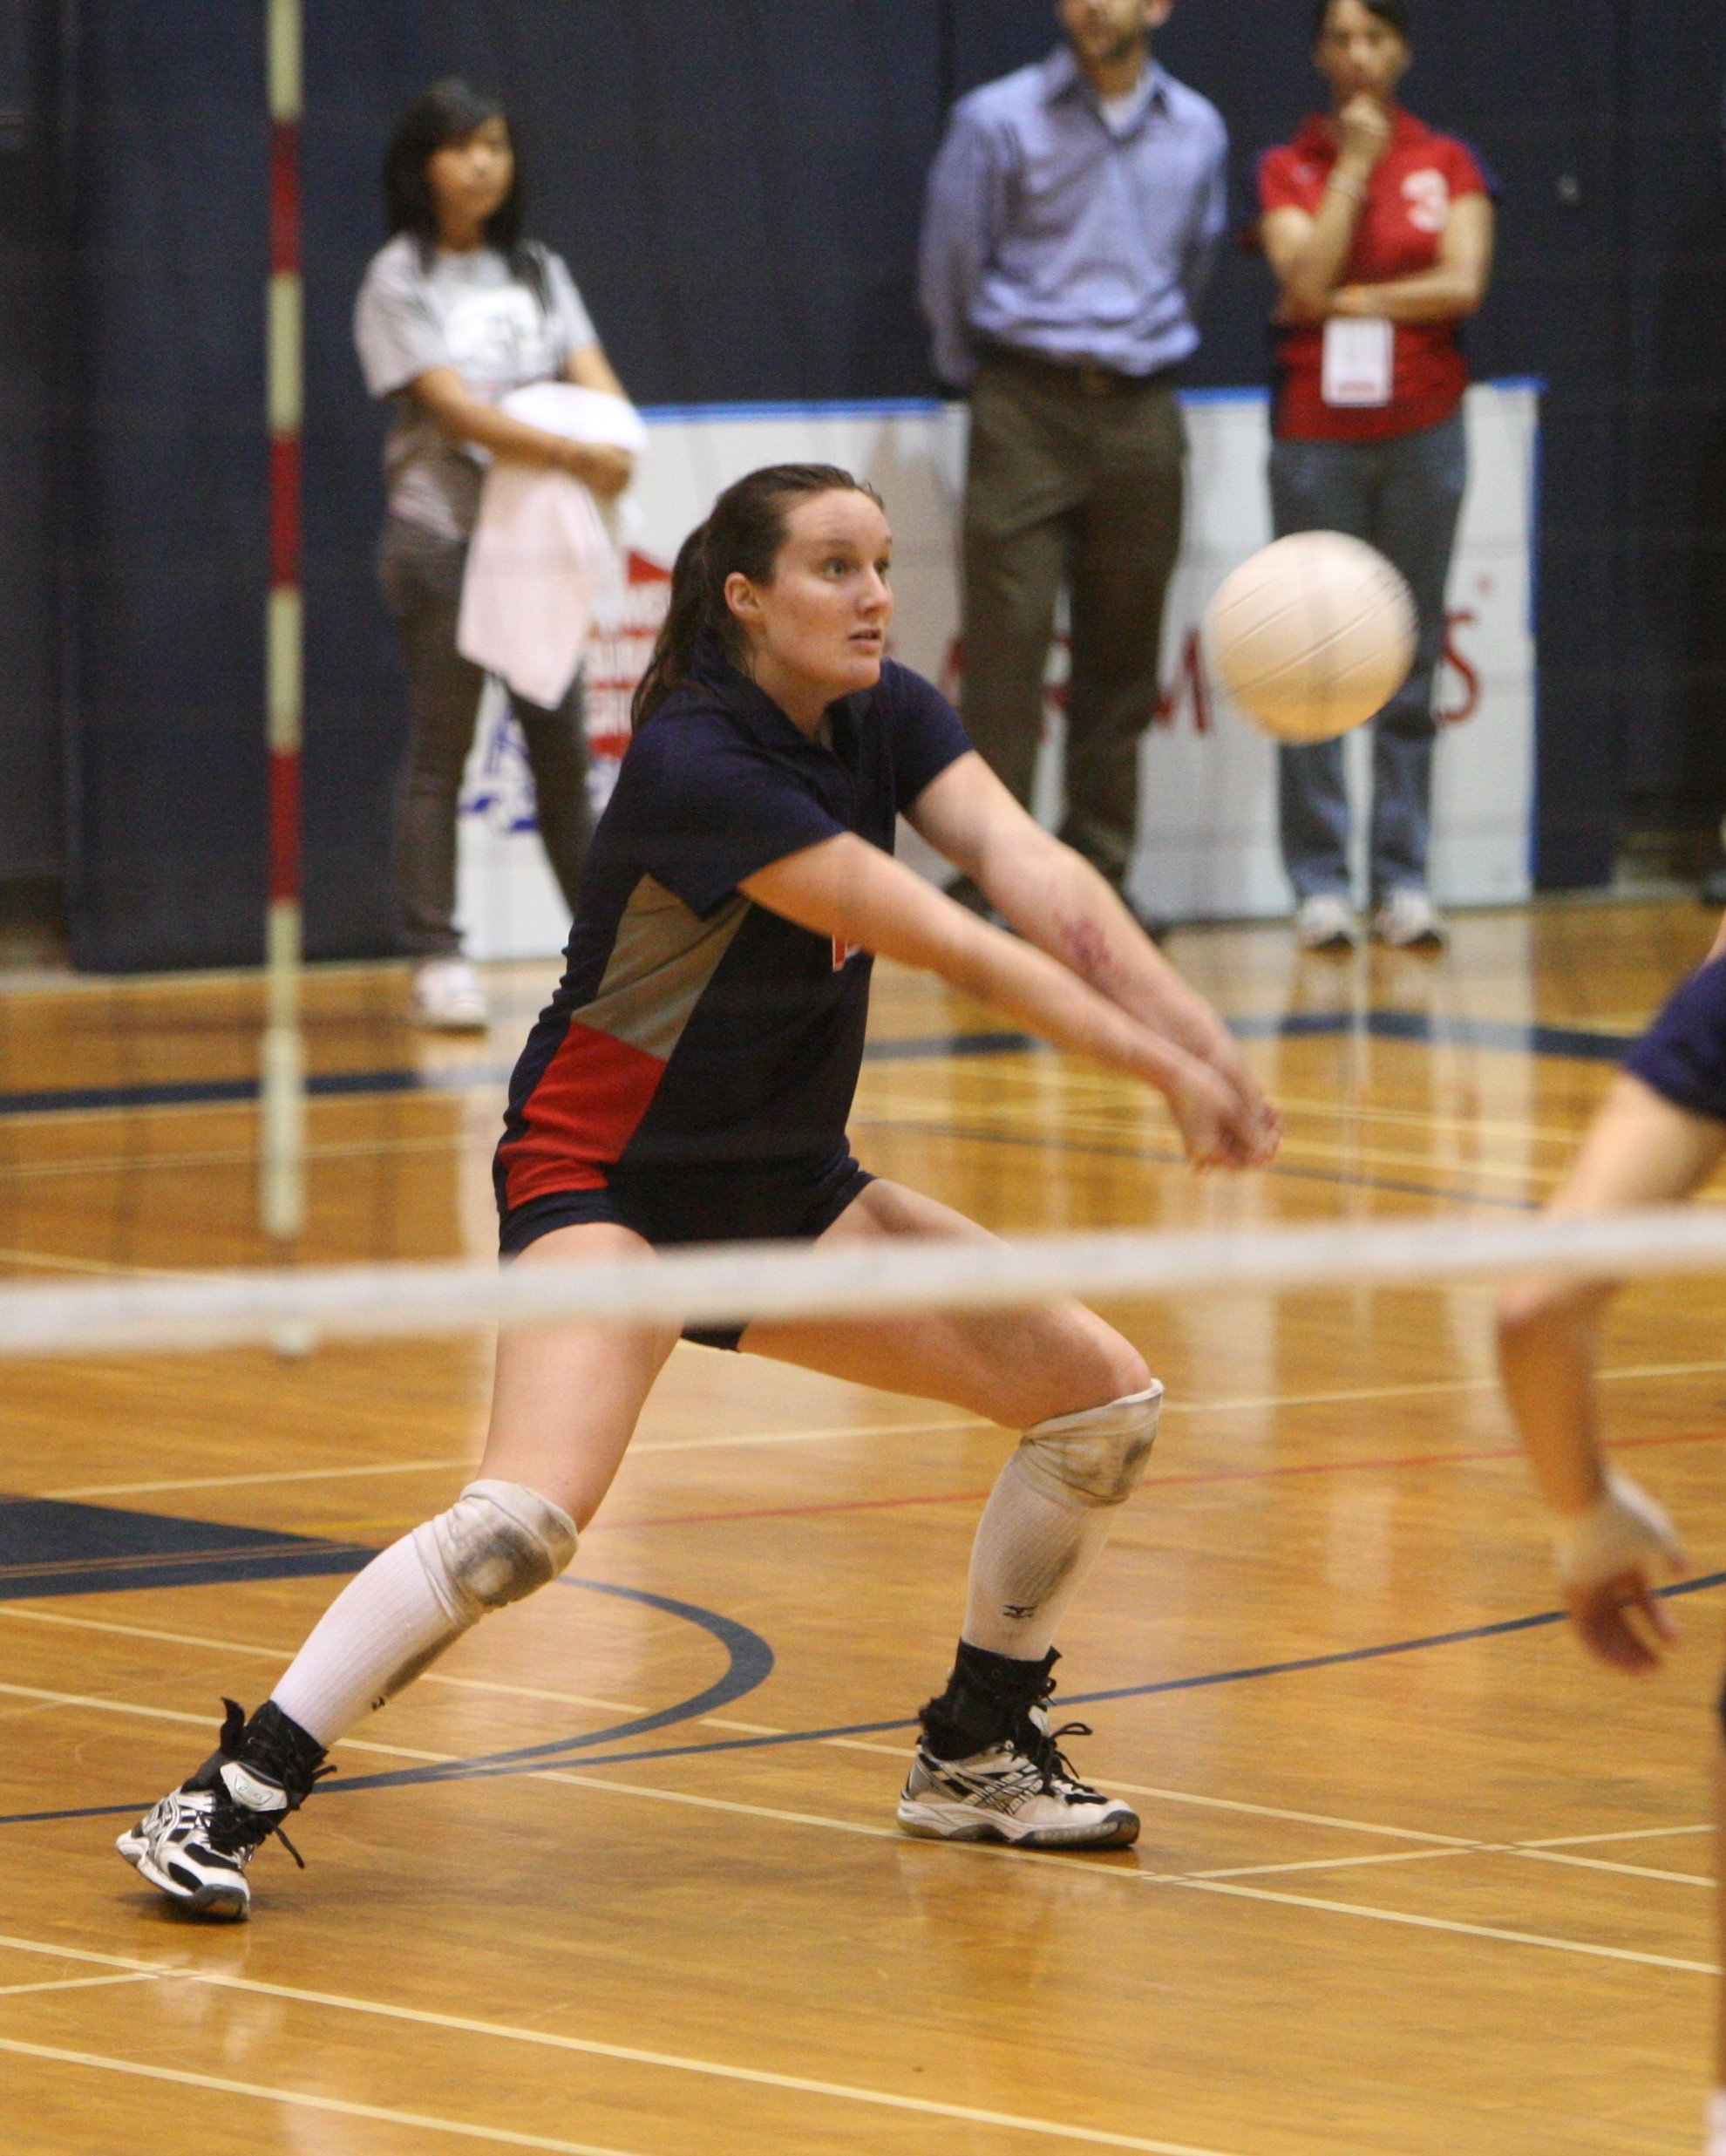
(380, 1632)
(1028, 1560)
(1716, 2123)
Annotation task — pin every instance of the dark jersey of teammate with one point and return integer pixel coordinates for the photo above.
(1682, 1054)
(692, 1076)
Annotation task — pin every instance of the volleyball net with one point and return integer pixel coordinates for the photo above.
(735, 1283)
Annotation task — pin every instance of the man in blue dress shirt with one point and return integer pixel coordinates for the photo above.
(1073, 215)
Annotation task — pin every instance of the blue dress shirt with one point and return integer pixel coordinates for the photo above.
(1053, 228)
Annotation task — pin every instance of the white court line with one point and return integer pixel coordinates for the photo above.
(1450, 1924)
(1031, 1116)
(1447, 1844)
(422, 1467)
(1601, 1864)
(928, 2108)
(287, 1653)
(202, 1721)
(497, 2135)
(241, 1482)
(1341, 1398)
(1334, 1864)
(1444, 1844)
(1302, 1818)
(1631, 1834)
(76, 1983)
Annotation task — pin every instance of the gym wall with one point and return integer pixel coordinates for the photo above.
(737, 184)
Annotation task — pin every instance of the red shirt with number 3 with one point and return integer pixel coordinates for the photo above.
(1402, 223)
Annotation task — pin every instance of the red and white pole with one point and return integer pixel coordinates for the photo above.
(283, 1091)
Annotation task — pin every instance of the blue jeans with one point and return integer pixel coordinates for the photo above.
(1403, 496)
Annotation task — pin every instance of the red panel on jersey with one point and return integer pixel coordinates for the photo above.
(1408, 203)
(581, 1115)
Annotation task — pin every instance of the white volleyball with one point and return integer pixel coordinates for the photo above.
(1311, 634)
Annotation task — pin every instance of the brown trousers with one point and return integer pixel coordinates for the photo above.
(1074, 479)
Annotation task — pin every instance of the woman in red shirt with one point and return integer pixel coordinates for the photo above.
(1380, 231)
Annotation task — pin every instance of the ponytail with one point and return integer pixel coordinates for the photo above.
(742, 537)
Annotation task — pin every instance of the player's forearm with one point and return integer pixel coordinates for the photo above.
(1547, 1353)
(1058, 902)
(851, 890)
(1023, 984)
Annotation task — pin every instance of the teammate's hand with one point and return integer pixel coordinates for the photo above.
(1609, 1559)
(1362, 135)
(605, 470)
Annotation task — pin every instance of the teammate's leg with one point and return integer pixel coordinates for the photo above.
(421, 575)
(988, 1766)
(1318, 486)
(1414, 526)
(557, 755)
(564, 1406)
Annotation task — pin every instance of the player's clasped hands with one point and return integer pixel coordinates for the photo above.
(1610, 1560)
(1224, 1121)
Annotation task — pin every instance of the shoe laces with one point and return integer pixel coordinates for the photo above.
(1041, 1744)
(235, 1829)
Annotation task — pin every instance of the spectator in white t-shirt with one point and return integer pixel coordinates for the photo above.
(455, 311)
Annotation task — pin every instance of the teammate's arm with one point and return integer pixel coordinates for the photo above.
(845, 888)
(590, 369)
(1308, 251)
(1614, 1544)
(1056, 900)
(1453, 288)
(470, 419)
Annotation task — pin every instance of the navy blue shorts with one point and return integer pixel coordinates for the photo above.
(1682, 1054)
(671, 1207)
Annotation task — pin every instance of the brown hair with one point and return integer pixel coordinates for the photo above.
(742, 537)
(1394, 12)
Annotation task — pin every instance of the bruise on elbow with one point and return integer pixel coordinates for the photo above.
(1082, 946)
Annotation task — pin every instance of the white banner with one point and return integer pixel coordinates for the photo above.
(1207, 841)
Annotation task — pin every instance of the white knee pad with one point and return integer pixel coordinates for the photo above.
(1097, 1457)
(498, 1542)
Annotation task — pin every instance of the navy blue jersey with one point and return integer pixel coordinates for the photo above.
(694, 1029)
(1682, 1054)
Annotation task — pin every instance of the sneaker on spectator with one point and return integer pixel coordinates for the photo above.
(1325, 922)
(447, 996)
(1407, 920)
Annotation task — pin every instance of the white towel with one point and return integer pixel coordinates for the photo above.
(543, 571)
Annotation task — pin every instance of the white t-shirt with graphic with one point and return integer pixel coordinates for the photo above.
(472, 312)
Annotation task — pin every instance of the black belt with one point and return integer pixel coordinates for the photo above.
(1089, 377)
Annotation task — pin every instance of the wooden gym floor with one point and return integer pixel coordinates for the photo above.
(1413, 1878)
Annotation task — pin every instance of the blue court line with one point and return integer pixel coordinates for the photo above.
(1575, 1044)
(1396, 1025)
(492, 1769)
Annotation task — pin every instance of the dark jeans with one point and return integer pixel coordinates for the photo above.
(1085, 487)
(421, 575)
(1404, 497)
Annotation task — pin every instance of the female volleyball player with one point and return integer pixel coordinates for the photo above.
(1658, 1137)
(690, 1082)
(455, 311)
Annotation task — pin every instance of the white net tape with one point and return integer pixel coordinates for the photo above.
(732, 1283)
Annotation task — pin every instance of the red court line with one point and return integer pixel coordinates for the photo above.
(1214, 1474)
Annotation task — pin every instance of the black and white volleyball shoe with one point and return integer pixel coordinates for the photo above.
(195, 1844)
(990, 1766)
